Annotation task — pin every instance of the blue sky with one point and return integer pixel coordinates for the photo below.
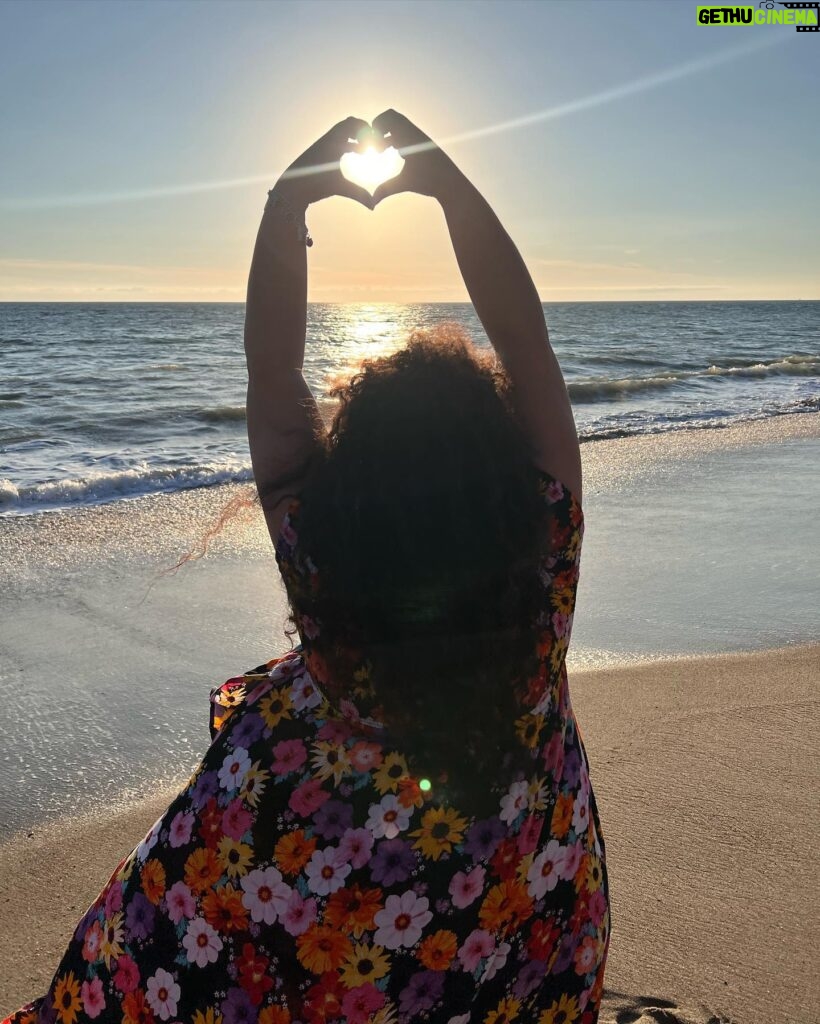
(702, 185)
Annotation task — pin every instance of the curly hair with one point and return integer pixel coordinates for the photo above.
(421, 507)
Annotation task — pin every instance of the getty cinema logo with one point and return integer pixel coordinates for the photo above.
(804, 16)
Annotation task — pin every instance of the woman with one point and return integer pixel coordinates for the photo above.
(394, 820)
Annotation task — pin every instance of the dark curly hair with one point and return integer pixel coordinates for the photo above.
(421, 509)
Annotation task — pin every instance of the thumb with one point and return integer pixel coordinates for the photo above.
(352, 191)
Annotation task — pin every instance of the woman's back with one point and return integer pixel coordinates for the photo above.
(304, 874)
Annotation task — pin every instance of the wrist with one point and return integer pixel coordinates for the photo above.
(450, 183)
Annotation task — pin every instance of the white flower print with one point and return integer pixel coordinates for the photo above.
(201, 943)
(514, 801)
(265, 894)
(326, 872)
(401, 921)
(496, 960)
(162, 994)
(234, 769)
(388, 817)
(545, 870)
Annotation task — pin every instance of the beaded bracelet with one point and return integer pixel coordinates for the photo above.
(276, 201)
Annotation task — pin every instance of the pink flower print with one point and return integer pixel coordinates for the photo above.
(308, 798)
(530, 834)
(93, 998)
(586, 956)
(402, 919)
(545, 870)
(355, 846)
(179, 832)
(180, 902)
(265, 894)
(360, 1002)
(464, 888)
(365, 756)
(287, 532)
(237, 819)
(334, 732)
(113, 899)
(572, 861)
(560, 623)
(554, 491)
(127, 976)
(597, 907)
(326, 872)
(299, 914)
(478, 944)
(289, 755)
(554, 755)
(309, 627)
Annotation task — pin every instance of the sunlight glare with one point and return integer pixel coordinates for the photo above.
(370, 169)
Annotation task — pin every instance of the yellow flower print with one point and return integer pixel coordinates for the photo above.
(528, 729)
(254, 784)
(441, 828)
(388, 1014)
(275, 706)
(562, 601)
(564, 1011)
(557, 654)
(594, 875)
(111, 945)
(507, 1010)
(329, 759)
(235, 857)
(538, 793)
(364, 964)
(387, 776)
(67, 998)
(210, 1016)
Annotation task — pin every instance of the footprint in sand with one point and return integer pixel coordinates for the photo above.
(618, 1008)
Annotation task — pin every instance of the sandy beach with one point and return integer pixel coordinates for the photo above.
(707, 777)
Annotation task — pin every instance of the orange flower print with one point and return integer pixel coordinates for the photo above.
(224, 910)
(438, 950)
(352, 910)
(152, 877)
(505, 907)
(562, 815)
(322, 948)
(202, 869)
(274, 1015)
(135, 1009)
(293, 851)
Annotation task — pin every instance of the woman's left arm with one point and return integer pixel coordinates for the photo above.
(282, 415)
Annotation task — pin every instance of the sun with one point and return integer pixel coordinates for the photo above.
(370, 168)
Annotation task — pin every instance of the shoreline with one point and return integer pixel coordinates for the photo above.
(684, 753)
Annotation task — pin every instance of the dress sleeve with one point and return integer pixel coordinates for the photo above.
(559, 569)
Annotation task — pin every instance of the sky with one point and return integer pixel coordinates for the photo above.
(630, 152)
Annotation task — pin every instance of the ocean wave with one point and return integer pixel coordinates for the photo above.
(99, 487)
(221, 414)
(604, 389)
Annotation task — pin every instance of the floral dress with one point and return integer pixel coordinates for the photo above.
(304, 875)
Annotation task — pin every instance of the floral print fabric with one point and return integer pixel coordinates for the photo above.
(303, 875)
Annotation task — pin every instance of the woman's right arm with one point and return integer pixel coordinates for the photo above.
(501, 290)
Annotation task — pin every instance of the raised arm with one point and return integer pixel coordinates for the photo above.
(501, 291)
(282, 415)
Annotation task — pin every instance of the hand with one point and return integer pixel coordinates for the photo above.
(427, 169)
(316, 175)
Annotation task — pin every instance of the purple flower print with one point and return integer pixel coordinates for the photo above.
(483, 838)
(139, 917)
(393, 862)
(333, 819)
(205, 787)
(247, 731)
(572, 768)
(422, 991)
(238, 1008)
(529, 979)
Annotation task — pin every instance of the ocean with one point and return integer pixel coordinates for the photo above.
(105, 402)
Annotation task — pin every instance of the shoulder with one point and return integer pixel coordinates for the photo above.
(248, 689)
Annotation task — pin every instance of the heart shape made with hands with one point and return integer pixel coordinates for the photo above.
(371, 168)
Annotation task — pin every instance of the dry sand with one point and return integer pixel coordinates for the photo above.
(707, 776)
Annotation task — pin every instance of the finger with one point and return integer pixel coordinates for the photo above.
(388, 188)
(350, 133)
(402, 131)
